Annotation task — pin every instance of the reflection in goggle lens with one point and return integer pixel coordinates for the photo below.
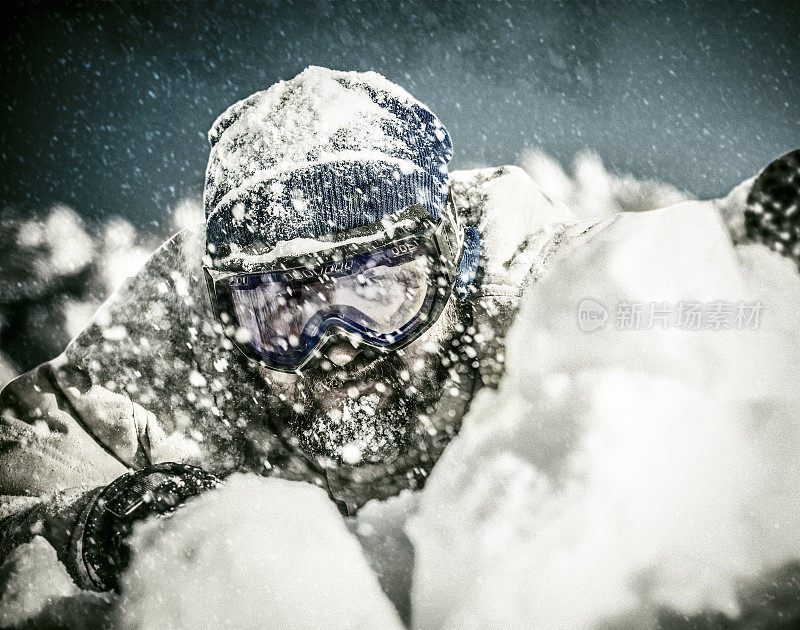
(378, 293)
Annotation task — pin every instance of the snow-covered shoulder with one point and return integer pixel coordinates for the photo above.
(148, 355)
(182, 253)
(507, 207)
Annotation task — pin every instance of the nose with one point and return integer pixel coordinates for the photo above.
(341, 353)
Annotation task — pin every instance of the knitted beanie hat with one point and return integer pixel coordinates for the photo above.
(321, 153)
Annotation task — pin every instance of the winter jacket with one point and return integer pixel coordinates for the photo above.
(153, 379)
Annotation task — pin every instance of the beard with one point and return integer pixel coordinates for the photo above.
(372, 410)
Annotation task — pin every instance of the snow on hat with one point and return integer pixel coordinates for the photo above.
(321, 153)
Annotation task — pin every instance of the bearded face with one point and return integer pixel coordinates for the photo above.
(357, 407)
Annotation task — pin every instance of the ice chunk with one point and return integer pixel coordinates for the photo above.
(616, 473)
(256, 553)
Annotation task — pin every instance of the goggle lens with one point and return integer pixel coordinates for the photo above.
(381, 296)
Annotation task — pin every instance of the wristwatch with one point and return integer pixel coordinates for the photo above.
(154, 491)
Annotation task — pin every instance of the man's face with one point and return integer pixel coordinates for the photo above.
(356, 407)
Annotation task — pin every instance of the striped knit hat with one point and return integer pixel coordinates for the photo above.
(324, 152)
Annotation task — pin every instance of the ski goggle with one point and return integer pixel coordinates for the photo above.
(381, 286)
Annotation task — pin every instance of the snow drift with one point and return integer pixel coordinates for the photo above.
(258, 552)
(255, 553)
(619, 474)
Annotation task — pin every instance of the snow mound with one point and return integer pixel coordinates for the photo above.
(256, 553)
(620, 474)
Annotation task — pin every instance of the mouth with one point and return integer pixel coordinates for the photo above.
(362, 369)
(361, 377)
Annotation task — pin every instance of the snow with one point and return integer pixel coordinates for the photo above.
(70, 267)
(615, 474)
(33, 562)
(121, 255)
(242, 260)
(258, 551)
(351, 431)
(62, 236)
(38, 590)
(324, 105)
(331, 115)
(594, 192)
(380, 528)
(287, 561)
(187, 213)
(515, 207)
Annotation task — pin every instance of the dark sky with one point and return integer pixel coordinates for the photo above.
(105, 106)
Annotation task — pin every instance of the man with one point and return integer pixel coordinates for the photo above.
(324, 325)
(330, 322)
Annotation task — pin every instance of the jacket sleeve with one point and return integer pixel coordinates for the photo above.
(53, 460)
(74, 424)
